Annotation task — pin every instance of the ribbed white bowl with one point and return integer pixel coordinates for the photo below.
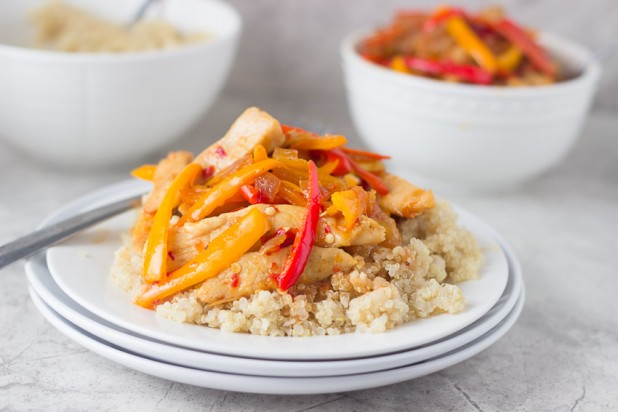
(465, 136)
(96, 109)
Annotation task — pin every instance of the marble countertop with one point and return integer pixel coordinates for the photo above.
(561, 355)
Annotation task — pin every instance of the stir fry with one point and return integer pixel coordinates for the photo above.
(454, 45)
(267, 188)
(276, 230)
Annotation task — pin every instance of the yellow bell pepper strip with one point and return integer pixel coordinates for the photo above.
(305, 237)
(222, 251)
(259, 153)
(218, 194)
(464, 72)
(328, 167)
(144, 172)
(398, 64)
(509, 60)
(318, 143)
(155, 255)
(351, 203)
(457, 27)
(518, 36)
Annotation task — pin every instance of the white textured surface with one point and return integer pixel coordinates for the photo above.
(561, 353)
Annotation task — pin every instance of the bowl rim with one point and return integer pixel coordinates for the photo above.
(591, 73)
(30, 53)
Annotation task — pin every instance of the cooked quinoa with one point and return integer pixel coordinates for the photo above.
(386, 288)
(63, 27)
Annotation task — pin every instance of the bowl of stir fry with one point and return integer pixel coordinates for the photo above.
(274, 230)
(477, 101)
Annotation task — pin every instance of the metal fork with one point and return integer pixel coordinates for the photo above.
(50, 235)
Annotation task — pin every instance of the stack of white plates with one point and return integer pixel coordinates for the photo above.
(71, 287)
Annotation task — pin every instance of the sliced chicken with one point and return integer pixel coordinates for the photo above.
(191, 238)
(164, 175)
(253, 127)
(404, 199)
(256, 271)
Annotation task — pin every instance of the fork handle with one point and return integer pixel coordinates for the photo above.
(50, 235)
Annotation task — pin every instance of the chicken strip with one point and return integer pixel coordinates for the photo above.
(404, 199)
(164, 175)
(191, 238)
(255, 271)
(253, 127)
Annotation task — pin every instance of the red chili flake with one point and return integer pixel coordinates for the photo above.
(336, 269)
(220, 151)
(290, 235)
(208, 171)
(327, 228)
(234, 279)
(171, 255)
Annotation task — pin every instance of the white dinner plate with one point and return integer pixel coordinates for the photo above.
(81, 267)
(41, 281)
(275, 385)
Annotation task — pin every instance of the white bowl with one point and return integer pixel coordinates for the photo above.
(90, 110)
(460, 137)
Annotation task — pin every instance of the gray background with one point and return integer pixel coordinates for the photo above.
(562, 355)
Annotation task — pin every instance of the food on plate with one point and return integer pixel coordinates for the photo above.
(452, 44)
(63, 27)
(274, 230)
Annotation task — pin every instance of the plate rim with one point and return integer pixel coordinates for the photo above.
(130, 186)
(283, 385)
(277, 368)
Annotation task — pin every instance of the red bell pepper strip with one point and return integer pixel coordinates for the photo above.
(518, 36)
(287, 129)
(465, 72)
(303, 242)
(372, 180)
(343, 164)
(364, 153)
(250, 194)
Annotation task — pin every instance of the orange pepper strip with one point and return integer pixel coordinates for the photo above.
(399, 65)
(144, 172)
(509, 59)
(457, 27)
(349, 204)
(155, 255)
(328, 167)
(319, 143)
(222, 191)
(259, 153)
(222, 251)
